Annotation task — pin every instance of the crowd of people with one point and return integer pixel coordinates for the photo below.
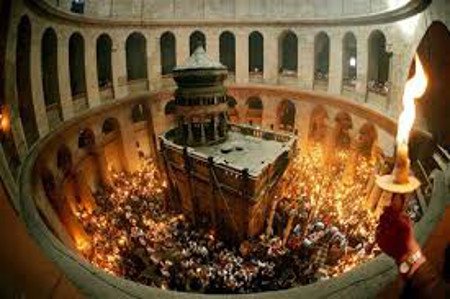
(320, 227)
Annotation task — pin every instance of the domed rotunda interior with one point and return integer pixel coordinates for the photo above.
(221, 148)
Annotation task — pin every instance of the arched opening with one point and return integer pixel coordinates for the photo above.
(367, 139)
(139, 113)
(88, 175)
(434, 107)
(196, 40)
(233, 113)
(349, 61)
(49, 186)
(112, 145)
(288, 53)
(23, 81)
(64, 160)
(77, 71)
(318, 126)
(286, 115)
(344, 124)
(321, 60)
(65, 199)
(136, 52)
(77, 6)
(170, 108)
(86, 139)
(256, 54)
(104, 66)
(379, 63)
(168, 53)
(12, 156)
(227, 49)
(50, 80)
(255, 110)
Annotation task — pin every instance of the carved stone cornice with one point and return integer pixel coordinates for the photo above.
(409, 9)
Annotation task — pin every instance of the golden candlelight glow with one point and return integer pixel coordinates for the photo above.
(414, 88)
(320, 225)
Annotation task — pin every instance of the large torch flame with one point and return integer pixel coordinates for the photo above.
(415, 88)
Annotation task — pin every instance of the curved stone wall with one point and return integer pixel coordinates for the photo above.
(254, 9)
(102, 97)
(78, 43)
(113, 130)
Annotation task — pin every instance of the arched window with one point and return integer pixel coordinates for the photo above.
(379, 59)
(196, 40)
(367, 138)
(110, 125)
(227, 44)
(77, 65)
(49, 185)
(168, 52)
(231, 102)
(286, 115)
(86, 138)
(344, 124)
(77, 6)
(139, 113)
(321, 56)
(136, 48)
(256, 52)
(255, 110)
(64, 159)
(50, 80)
(233, 113)
(23, 81)
(349, 59)
(104, 68)
(288, 53)
(318, 124)
(170, 108)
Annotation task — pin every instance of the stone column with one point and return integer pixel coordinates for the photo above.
(129, 150)
(8, 179)
(202, 128)
(10, 92)
(182, 45)
(270, 56)
(212, 41)
(102, 164)
(154, 61)
(242, 62)
(216, 127)
(64, 77)
(306, 60)
(37, 92)
(335, 74)
(362, 65)
(119, 67)
(397, 77)
(302, 124)
(269, 116)
(92, 90)
(190, 133)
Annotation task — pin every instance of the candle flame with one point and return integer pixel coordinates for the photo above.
(414, 88)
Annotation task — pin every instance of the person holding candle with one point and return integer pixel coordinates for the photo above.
(395, 237)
